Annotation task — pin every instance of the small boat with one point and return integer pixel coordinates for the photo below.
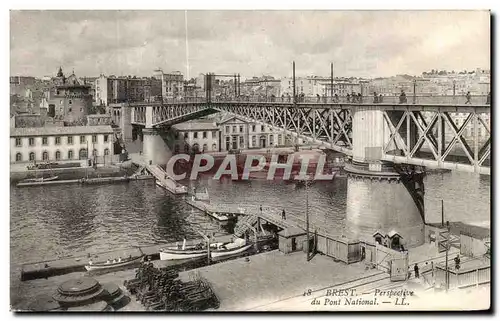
(40, 180)
(235, 247)
(218, 217)
(184, 252)
(111, 265)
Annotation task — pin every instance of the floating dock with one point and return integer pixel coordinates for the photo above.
(86, 181)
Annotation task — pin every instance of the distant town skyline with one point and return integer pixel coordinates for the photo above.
(364, 44)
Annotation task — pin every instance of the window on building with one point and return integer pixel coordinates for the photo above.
(94, 138)
(186, 148)
(32, 156)
(70, 102)
(58, 155)
(253, 128)
(19, 157)
(106, 151)
(58, 140)
(18, 142)
(45, 140)
(279, 140)
(94, 152)
(195, 135)
(204, 134)
(262, 128)
(45, 156)
(227, 129)
(242, 140)
(106, 138)
(186, 135)
(234, 129)
(271, 139)
(70, 154)
(82, 139)
(228, 139)
(70, 140)
(254, 141)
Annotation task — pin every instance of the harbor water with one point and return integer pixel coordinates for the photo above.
(62, 220)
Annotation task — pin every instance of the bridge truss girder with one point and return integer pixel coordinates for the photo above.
(321, 124)
(423, 135)
(427, 138)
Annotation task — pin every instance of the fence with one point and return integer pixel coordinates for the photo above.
(339, 249)
(393, 99)
(463, 278)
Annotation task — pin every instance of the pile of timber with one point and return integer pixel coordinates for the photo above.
(159, 289)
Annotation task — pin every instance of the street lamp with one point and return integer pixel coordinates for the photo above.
(308, 257)
(414, 91)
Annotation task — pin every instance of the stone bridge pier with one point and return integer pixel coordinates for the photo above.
(377, 200)
(155, 149)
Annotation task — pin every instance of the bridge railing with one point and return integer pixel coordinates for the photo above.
(394, 99)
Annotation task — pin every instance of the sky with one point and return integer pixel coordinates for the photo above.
(253, 43)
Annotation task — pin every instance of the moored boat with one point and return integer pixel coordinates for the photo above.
(184, 252)
(217, 216)
(41, 179)
(112, 264)
(237, 246)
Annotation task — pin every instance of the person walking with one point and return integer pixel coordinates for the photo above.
(402, 97)
(415, 268)
(457, 262)
(380, 98)
(318, 97)
(283, 215)
(375, 97)
(468, 97)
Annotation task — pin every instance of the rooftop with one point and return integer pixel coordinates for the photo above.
(98, 115)
(195, 126)
(53, 131)
(292, 231)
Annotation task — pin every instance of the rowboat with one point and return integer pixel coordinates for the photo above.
(184, 252)
(218, 217)
(41, 179)
(235, 247)
(110, 265)
(169, 254)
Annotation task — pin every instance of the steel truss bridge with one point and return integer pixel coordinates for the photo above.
(428, 135)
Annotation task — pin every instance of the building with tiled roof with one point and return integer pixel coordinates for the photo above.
(60, 143)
